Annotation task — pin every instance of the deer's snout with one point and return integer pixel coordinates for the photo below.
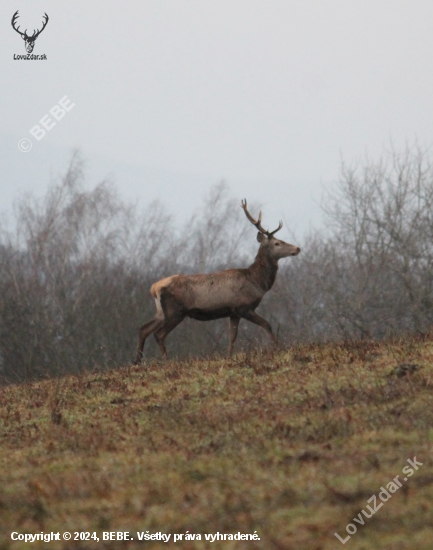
(297, 251)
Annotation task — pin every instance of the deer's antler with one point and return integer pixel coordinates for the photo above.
(257, 223)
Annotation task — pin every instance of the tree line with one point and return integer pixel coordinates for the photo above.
(76, 266)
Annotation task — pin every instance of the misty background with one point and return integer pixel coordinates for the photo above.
(319, 113)
(174, 96)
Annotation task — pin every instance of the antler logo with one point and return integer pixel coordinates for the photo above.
(29, 40)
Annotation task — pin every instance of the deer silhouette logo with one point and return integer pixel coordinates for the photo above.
(29, 40)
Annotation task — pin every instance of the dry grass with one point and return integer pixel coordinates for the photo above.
(290, 444)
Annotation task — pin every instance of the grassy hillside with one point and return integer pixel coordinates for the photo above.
(289, 444)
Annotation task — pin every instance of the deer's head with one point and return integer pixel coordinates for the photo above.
(275, 248)
(29, 40)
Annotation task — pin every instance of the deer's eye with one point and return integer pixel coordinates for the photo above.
(277, 244)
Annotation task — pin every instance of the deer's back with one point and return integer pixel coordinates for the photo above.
(210, 291)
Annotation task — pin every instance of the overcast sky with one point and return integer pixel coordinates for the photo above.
(174, 95)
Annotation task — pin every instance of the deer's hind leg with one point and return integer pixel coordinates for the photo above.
(145, 330)
(162, 332)
(174, 314)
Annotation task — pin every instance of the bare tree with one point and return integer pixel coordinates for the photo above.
(219, 234)
(73, 267)
(382, 257)
(76, 266)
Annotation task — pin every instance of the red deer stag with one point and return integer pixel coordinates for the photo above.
(233, 293)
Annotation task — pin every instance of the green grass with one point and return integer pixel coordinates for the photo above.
(290, 444)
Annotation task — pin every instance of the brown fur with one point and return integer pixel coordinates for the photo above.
(233, 293)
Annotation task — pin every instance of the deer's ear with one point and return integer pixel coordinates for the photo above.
(261, 238)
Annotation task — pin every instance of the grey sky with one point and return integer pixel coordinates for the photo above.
(171, 96)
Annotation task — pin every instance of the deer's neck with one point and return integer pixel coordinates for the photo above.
(263, 270)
